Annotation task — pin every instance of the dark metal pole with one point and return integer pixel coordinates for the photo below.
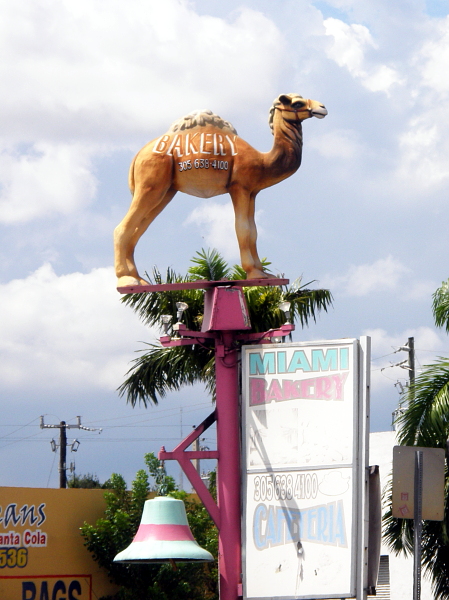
(196, 448)
(62, 454)
(411, 359)
(417, 533)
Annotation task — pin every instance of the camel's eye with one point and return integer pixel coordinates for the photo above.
(298, 104)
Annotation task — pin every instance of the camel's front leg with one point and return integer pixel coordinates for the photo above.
(145, 207)
(253, 238)
(140, 230)
(245, 228)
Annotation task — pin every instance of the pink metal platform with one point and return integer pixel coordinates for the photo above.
(201, 284)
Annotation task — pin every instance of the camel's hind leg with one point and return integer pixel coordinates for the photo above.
(253, 233)
(246, 231)
(144, 208)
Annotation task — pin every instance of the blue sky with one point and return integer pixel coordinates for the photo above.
(89, 83)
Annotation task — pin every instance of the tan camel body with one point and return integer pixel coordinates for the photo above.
(202, 155)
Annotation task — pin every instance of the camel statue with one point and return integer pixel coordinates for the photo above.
(202, 155)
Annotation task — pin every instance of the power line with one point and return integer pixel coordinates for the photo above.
(63, 426)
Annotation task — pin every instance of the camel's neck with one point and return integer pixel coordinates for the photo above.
(285, 156)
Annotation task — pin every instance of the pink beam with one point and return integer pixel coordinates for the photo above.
(195, 434)
(265, 337)
(184, 459)
(199, 285)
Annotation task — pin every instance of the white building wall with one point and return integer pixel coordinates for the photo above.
(401, 569)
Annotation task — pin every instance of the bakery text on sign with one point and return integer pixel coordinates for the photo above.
(191, 144)
(325, 387)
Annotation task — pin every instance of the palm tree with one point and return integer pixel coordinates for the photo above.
(425, 422)
(440, 306)
(159, 370)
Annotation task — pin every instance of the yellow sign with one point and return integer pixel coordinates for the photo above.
(42, 553)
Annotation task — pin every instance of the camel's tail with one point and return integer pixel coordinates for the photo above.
(131, 181)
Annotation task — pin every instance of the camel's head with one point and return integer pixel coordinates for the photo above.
(296, 108)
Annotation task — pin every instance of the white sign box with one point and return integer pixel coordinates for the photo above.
(305, 453)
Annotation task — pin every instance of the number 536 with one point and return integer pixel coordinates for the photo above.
(13, 557)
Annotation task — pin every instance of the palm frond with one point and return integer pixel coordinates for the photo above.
(160, 370)
(150, 307)
(440, 306)
(209, 265)
(306, 303)
(163, 370)
(425, 422)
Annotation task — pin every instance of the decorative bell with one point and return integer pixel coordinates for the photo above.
(163, 536)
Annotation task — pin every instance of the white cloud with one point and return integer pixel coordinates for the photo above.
(349, 45)
(83, 78)
(48, 178)
(384, 352)
(68, 331)
(424, 140)
(349, 48)
(381, 78)
(342, 144)
(80, 69)
(217, 224)
(384, 274)
(433, 57)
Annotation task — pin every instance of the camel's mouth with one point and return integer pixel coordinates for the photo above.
(319, 113)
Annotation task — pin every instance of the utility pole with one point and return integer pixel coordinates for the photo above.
(62, 454)
(411, 359)
(196, 448)
(63, 445)
(408, 364)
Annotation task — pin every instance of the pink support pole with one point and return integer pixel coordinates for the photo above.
(228, 472)
(227, 323)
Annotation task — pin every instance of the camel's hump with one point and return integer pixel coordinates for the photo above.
(200, 118)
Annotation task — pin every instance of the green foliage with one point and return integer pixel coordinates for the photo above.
(116, 529)
(209, 265)
(440, 306)
(164, 484)
(87, 481)
(425, 422)
(161, 370)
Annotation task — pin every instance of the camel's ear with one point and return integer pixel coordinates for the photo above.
(284, 99)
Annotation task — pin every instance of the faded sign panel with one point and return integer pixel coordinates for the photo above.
(278, 382)
(304, 473)
(280, 436)
(299, 531)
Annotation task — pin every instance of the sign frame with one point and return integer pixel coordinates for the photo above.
(355, 469)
